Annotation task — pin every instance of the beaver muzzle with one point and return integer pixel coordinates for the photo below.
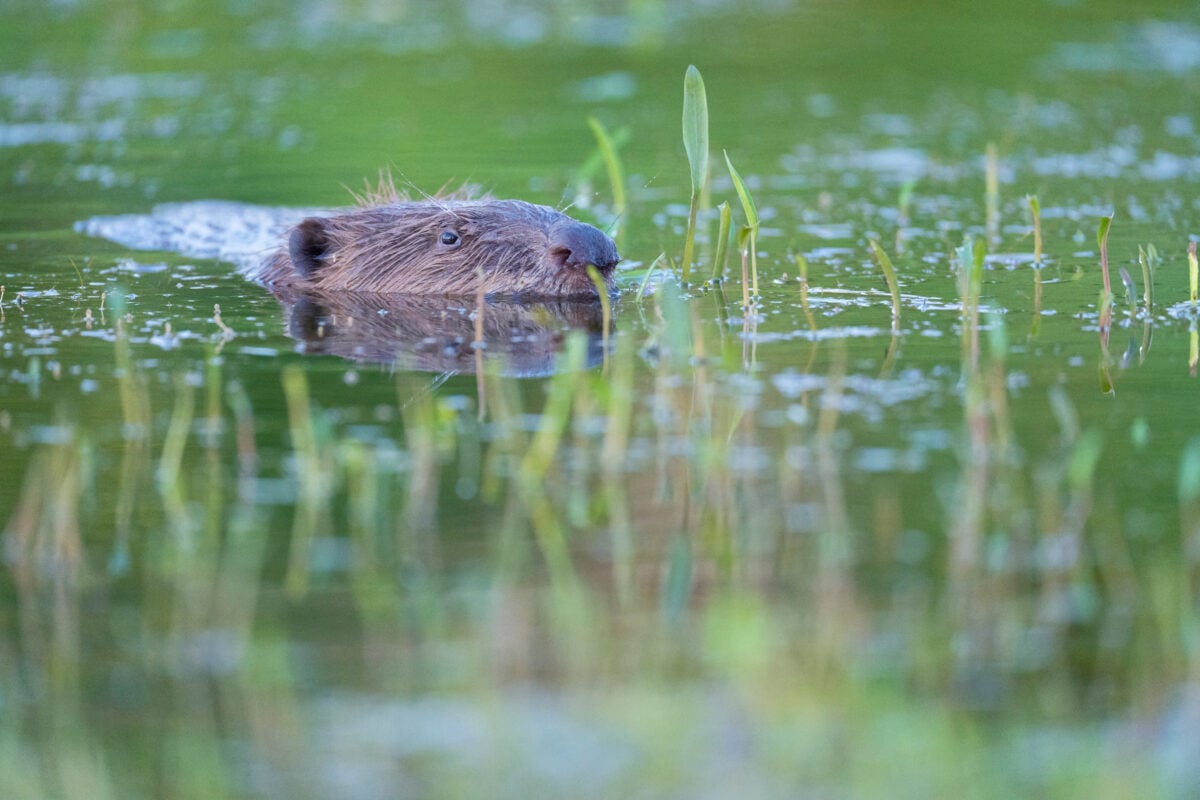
(574, 245)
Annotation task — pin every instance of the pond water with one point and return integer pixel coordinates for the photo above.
(255, 549)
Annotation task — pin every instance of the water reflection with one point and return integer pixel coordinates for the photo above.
(439, 334)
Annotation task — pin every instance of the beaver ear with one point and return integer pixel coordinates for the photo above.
(309, 245)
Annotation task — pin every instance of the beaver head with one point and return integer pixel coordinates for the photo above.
(517, 249)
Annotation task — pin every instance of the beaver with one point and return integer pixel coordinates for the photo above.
(444, 247)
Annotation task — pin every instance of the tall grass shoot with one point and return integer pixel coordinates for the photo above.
(616, 174)
(889, 276)
(605, 305)
(1035, 208)
(723, 228)
(1102, 240)
(749, 237)
(992, 192)
(1193, 271)
(695, 143)
(1147, 256)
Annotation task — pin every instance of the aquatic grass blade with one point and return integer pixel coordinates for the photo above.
(997, 335)
(748, 207)
(904, 199)
(992, 192)
(1102, 239)
(654, 265)
(726, 216)
(595, 160)
(676, 332)
(614, 168)
(1193, 347)
(889, 275)
(605, 306)
(962, 254)
(1193, 270)
(1035, 208)
(1147, 265)
(743, 239)
(1105, 304)
(695, 143)
(602, 291)
(695, 127)
(1127, 282)
(970, 257)
(802, 267)
(751, 212)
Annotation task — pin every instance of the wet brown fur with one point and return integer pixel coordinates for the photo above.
(392, 245)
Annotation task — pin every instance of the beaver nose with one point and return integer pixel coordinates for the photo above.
(576, 245)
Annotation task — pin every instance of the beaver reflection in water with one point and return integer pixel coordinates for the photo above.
(438, 334)
(444, 247)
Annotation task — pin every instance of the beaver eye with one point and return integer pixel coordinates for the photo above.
(449, 238)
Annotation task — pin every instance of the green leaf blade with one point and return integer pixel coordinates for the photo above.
(748, 207)
(695, 127)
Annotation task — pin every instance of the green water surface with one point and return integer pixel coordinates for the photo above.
(778, 554)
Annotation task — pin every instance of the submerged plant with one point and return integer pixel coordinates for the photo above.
(695, 143)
